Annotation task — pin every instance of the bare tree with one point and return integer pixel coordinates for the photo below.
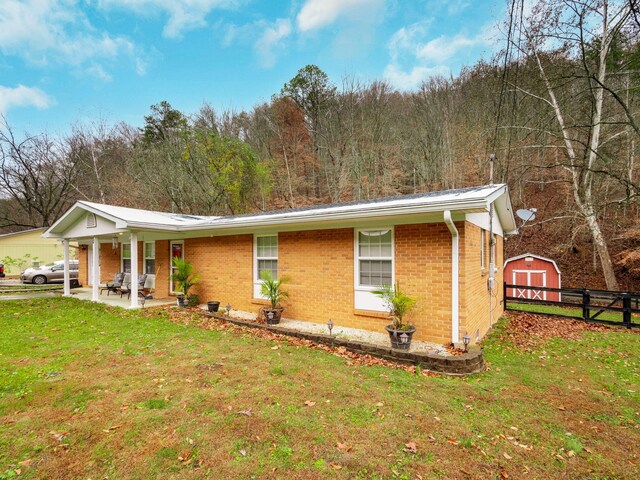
(35, 176)
(582, 99)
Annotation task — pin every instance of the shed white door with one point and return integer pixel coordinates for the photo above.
(530, 278)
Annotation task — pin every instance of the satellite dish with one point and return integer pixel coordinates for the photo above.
(526, 215)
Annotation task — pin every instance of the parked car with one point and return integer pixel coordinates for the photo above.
(50, 273)
(1, 270)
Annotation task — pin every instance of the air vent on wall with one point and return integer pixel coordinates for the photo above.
(92, 222)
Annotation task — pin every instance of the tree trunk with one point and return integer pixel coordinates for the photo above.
(602, 249)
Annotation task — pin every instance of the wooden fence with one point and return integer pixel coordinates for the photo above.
(618, 308)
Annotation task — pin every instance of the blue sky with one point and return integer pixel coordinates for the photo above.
(65, 62)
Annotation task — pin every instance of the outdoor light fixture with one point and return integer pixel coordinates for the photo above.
(404, 338)
(228, 308)
(466, 339)
(114, 242)
(330, 326)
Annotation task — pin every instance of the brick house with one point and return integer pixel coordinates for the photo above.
(437, 245)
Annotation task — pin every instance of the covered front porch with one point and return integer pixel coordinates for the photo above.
(109, 244)
(84, 293)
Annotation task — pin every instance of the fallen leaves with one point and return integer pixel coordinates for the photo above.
(344, 447)
(309, 403)
(528, 329)
(200, 319)
(112, 428)
(411, 447)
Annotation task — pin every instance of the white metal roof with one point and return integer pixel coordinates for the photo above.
(474, 198)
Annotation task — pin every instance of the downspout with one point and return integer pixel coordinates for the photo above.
(455, 274)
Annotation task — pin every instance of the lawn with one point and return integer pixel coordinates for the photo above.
(572, 312)
(89, 391)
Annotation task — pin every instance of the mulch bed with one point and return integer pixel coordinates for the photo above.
(198, 318)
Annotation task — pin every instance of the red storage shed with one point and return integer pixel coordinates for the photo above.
(532, 271)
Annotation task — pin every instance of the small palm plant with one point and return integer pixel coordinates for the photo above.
(271, 288)
(183, 275)
(399, 304)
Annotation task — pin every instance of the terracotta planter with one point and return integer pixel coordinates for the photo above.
(272, 315)
(400, 339)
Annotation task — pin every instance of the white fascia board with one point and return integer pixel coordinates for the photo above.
(73, 210)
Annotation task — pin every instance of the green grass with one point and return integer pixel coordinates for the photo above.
(573, 312)
(88, 391)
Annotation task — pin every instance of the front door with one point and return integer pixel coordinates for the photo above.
(176, 249)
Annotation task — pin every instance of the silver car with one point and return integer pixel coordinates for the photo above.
(51, 273)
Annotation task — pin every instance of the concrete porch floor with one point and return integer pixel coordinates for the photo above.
(117, 301)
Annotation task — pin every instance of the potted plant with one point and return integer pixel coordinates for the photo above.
(399, 304)
(185, 278)
(271, 288)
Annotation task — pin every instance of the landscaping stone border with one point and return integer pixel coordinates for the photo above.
(457, 365)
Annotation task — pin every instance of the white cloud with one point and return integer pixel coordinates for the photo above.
(271, 38)
(316, 14)
(414, 58)
(408, 80)
(97, 71)
(184, 15)
(48, 32)
(22, 96)
(443, 48)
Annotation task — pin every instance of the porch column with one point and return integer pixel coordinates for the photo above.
(134, 270)
(95, 281)
(67, 273)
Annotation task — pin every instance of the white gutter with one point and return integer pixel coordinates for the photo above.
(455, 273)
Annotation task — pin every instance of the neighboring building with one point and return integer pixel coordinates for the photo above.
(30, 246)
(531, 270)
(436, 245)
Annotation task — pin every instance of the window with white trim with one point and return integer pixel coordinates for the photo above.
(375, 258)
(125, 250)
(149, 258)
(266, 255)
(265, 249)
(482, 248)
(494, 243)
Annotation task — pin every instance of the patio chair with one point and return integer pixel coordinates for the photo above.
(142, 279)
(126, 280)
(114, 286)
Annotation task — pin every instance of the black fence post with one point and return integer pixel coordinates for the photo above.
(504, 294)
(626, 310)
(586, 300)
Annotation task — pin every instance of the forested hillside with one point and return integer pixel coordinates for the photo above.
(558, 108)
